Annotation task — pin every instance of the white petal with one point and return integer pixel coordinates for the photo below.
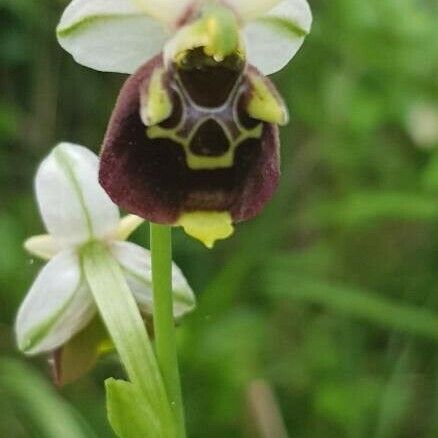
(251, 9)
(57, 306)
(136, 265)
(73, 205)
(273, 40)
(44, 246)
(118, 35)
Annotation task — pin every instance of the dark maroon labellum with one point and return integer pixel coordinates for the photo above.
(208, 154)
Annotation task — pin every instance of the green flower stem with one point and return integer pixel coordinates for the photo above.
(164, 326)
(125, 325)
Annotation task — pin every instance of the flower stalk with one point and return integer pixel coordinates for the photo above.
(164, 327)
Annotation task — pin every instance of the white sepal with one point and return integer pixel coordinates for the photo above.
(273, 40)
(57, 306)
(136, 265)
(73, 205)
(118, 35)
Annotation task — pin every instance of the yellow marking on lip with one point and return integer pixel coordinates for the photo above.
(199, 162)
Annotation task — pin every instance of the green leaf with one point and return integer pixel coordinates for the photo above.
(122, 318)
(397, 398)
(353, 302)
(43, 408)
(129, 413)
(365, 208)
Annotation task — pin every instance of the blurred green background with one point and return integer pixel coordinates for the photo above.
(329, 299)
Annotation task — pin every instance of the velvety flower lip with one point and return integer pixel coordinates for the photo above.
(193, 140)
(77, 211)
(156, 175)
(121, 35)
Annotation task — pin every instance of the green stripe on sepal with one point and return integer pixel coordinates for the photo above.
(284, 25)
(37, 334)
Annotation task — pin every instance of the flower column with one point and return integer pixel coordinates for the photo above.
(92, 269)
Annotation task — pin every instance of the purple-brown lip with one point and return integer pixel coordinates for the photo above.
(154, 178)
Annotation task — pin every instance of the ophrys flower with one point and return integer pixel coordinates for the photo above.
(193, 140)
(77, 211)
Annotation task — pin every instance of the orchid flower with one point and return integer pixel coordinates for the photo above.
(76, 211)
(193, 140)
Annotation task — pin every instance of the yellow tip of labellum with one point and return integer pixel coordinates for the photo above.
(207, 226)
